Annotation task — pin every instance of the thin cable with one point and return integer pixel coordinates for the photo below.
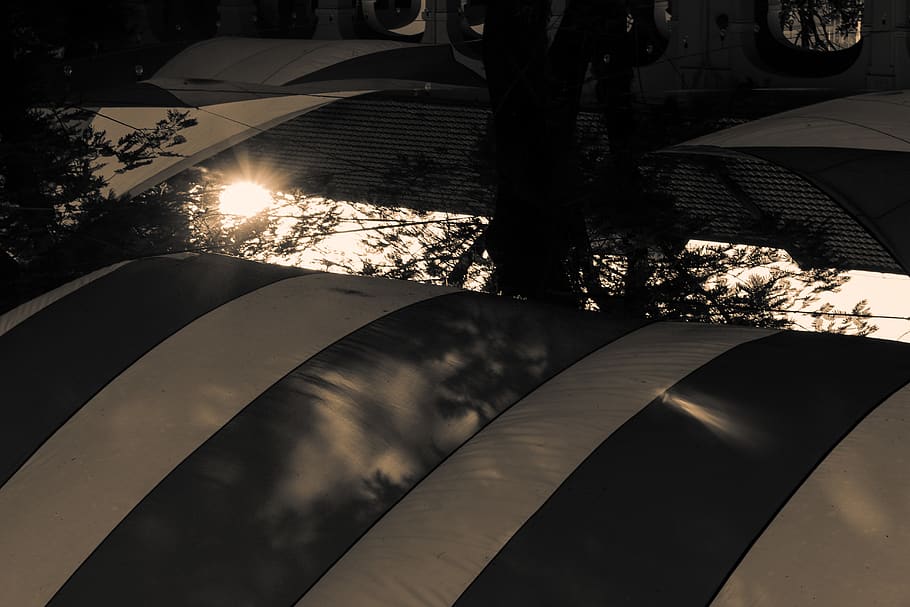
(287, 93)
(355, 167)
(259, 130)
(112, 119)
(852, 123)
(818, 314)
(388, 227)
(361, 229)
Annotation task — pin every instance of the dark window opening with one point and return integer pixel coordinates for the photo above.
(648, 33)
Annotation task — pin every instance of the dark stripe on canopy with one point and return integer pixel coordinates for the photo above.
(59, 358)
(869, 184)
(134, 94)
(663, 510)
(260, 511)
(428, 63)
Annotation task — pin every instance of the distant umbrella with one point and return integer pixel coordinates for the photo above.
(235, 88)
(837, 167)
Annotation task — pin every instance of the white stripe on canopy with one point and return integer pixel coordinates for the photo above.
(430, 546)
(876, 121)
(219, 127)
(844, 536)
(81, 483)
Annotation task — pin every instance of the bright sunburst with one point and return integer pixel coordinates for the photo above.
(244, 198)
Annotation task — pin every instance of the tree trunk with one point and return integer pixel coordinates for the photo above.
(535, 92)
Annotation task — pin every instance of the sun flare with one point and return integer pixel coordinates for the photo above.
(244, 198)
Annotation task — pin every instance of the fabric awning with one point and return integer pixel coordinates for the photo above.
(238, 87)
(854, 150)
(201, 430)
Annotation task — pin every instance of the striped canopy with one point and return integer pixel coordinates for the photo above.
(201, 430)
(854, 151)
(235, 88)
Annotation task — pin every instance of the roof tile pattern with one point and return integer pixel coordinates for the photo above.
(425, 154)
(416, 153)
(741, 198)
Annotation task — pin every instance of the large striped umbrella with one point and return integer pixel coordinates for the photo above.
(201, 430)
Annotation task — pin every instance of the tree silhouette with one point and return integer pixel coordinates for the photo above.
(608, 243)
(821, 25)
(613, 244)
(638, 271)
(56, 217)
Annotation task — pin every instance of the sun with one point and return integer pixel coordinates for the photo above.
(244, 198)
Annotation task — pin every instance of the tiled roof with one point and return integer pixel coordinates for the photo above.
(421, 153)
(415, 153)
(740, 198)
